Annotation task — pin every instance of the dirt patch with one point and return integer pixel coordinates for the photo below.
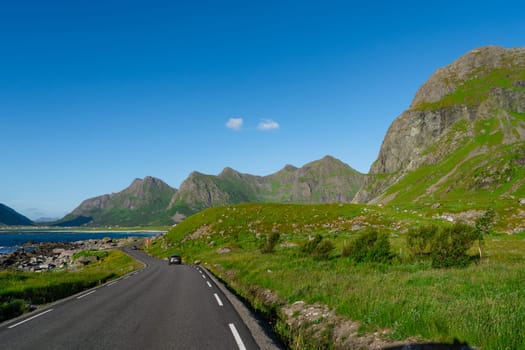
(320, 324)
(203, 231)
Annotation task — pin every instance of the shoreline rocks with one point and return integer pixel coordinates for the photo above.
(48, 256)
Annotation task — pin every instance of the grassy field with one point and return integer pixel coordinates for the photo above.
(20, 290)
(482, 304)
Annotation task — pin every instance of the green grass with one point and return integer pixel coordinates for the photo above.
(483, 304)
(481, 172)
(476, 90)
(18, 290)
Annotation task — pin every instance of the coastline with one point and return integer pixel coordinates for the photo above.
(47, 229)
(11, 240)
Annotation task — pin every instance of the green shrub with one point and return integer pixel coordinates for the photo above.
(370, 246)
(319, 247)
(323, 249)
(309, 246)
(484, 225)
(447, 245)
(420, 239)
(269, 244)
(450, 245)
(12, 308)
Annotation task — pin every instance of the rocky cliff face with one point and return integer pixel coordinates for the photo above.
(480, 96)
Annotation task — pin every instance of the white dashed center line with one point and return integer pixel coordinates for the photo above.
(219, 301)
(85, 295)
(237, 337)
(29, 319)
(209, 284)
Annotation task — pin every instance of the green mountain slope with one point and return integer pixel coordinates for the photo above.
(327, 180)
(152, 202)
(461, 144)
(10, 217)
(144, 202)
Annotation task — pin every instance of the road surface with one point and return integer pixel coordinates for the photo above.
(159, 307)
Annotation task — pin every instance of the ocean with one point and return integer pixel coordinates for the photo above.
(11, 240)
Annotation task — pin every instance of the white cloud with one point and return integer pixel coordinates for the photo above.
(235, 124)
(268, 124)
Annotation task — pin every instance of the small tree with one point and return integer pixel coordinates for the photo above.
(484, 225)
(451, 244)
(420, 239)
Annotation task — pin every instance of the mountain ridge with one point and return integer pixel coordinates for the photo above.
(460, 145)
(322, 181)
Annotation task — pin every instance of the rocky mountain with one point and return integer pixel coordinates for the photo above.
(9, 217)
(151, 201)
(461, 140)
(326, 180)
(460, 145)
(144, 202)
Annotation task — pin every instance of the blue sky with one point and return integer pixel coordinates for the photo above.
(96, 93)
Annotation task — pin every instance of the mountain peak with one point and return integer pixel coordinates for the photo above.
(474, 64)
(469, 109)
(138, 185)
(147, 197)
(329, 160)
(290, 168)
(229, 172)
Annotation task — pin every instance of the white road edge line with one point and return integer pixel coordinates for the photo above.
(112, 283)
(237, 337)
(85, 295)
(209, 284)
(29, 319)
(203, 276)
(219, 301)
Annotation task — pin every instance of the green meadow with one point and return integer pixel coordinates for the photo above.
(482, 304)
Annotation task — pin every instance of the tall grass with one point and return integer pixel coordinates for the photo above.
(483, 304)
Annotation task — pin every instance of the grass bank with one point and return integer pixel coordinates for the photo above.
(483, 304)
(20, 290)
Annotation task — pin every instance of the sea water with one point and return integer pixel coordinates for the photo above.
(11, 240)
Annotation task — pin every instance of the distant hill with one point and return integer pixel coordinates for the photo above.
(153, 202)
(461, 144)
(9, 217)
(144, 202)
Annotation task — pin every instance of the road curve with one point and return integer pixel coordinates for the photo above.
(159, 307)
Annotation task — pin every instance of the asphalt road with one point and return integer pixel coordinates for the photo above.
(159, 307)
